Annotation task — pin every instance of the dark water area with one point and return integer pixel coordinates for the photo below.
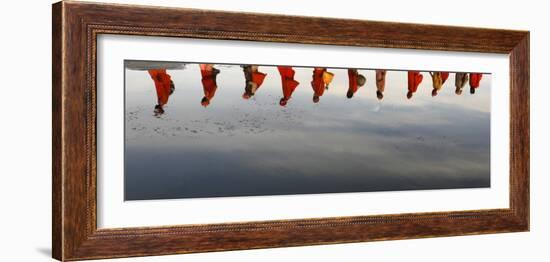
(237, 147)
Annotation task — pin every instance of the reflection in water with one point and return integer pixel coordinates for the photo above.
(460, 81)
(475, 78)
(320, 82)
(209, 85)
(414, 79)
(236, 147)
(438, 80)
(253, 80)
(287, 83)
(164, 86)
(321, 79)
(356, 80)
(380, 83)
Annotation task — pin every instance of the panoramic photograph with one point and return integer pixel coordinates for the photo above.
(199, 130)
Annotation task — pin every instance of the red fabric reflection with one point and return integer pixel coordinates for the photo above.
(162, 84)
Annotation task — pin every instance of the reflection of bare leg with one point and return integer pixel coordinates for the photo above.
(249, 90)
(253, 87)
(247, 72)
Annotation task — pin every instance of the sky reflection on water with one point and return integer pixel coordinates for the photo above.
(237, 147)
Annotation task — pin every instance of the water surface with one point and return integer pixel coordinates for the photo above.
(237, 147)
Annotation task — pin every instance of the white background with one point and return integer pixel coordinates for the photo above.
(25, 145)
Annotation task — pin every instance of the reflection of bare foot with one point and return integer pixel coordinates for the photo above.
(215, 71)
(379, 95)
(158, 110)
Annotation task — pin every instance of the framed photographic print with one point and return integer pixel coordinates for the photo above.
(181, 130)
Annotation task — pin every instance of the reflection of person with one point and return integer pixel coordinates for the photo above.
(475, 78)
(320, 82)
(414, 79)
(460, 81)
(288, 83)
(209, 86)
(164, 86)
(356, 80)
(438, 79)
(253, 80)
(380, 83)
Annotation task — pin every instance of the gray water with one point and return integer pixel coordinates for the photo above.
(238, 147)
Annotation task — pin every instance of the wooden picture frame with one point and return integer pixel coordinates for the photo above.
(76, 26)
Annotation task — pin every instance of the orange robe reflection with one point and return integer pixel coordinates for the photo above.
(444, 76)
(254, 79)
(414, 79)
(438, 79)
(209, 85)
(163, 81)
(320, 82)
(356, 80)
(475, 79)
(288, 83)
